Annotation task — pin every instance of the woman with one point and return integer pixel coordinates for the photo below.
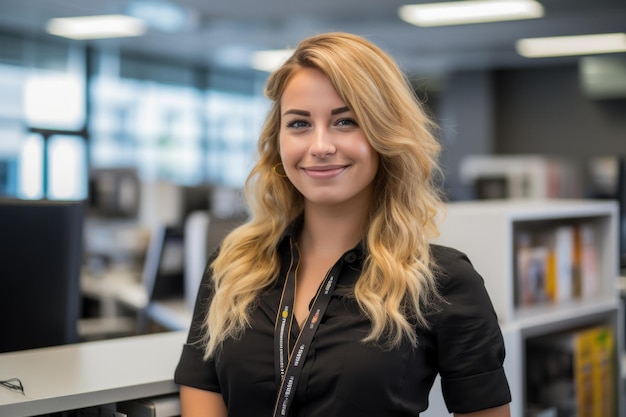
(330, 300)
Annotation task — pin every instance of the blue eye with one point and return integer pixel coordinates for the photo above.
(297, 124)
(347, 122)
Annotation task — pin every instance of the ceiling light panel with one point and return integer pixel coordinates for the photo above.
(96, 27)
(572, 45)
(469, 11)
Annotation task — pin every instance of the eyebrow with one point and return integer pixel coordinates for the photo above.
(298, 112)
(305, 113)
(339, 110)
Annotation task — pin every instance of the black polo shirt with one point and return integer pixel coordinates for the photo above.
(343, 376)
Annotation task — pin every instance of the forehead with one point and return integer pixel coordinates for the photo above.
(309, 86)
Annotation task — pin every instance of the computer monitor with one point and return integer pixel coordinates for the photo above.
(163, 273)
(41, 253)
(114, 193)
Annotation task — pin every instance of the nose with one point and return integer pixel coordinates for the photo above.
(322, 143)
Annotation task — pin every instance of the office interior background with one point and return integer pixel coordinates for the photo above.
(181, 103)
(148, 129)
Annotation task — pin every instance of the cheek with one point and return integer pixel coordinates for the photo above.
(374, 165)
(360, 144)
(366, 152)
(290, 150)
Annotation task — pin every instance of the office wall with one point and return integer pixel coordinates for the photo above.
(465, 115)
(534, 110)
(544, 110)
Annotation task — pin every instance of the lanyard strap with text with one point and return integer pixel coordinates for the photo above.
(289, 364)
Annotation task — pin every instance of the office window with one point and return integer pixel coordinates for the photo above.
(155, 117)
(168, 121)
(54, 100)
(42, 87)
(35, 74)
(234, 124)
(67, 168)
(12, 80)
(30, 168)
(54, 168)
(154, 124)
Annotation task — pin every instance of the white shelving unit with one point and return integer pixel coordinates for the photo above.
(485, 230)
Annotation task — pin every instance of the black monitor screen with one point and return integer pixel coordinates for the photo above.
(114, 193)
(41, 253)
(164, 264)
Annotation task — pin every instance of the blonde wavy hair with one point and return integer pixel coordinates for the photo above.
(397, 281)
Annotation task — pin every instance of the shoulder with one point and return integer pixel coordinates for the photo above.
(446, 255)
(453, 267)
(460, 284)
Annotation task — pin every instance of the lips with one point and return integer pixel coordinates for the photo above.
(324, 172)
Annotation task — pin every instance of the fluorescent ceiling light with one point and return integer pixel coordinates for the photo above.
(572, 45)
(469, 11)
(96, 27)
(270, 60)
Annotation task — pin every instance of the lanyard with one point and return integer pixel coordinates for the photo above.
(289, 362)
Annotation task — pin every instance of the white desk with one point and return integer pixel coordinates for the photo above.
(113, 287)
(123, 287)
(87, 374)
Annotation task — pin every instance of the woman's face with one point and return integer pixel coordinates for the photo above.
(323, 150)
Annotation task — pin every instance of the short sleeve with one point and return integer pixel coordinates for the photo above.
(192, 370)
(470, 347)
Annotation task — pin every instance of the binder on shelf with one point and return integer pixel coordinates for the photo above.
(573, 372)
(603, 371)
(583, 372)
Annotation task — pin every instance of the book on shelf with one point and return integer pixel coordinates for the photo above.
(556, 264)
(573, 372)
(531, 264)
(563, 251)
(589, 263)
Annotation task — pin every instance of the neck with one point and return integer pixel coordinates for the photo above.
(330, 233)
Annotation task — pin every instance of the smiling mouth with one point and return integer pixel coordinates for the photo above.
(324, 172)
